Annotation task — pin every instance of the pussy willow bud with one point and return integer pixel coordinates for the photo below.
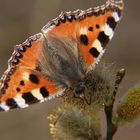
(129, 108)
(71, 123)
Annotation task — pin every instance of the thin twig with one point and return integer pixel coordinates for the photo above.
(111, 127)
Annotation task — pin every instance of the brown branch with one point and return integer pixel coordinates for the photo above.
(111, 127)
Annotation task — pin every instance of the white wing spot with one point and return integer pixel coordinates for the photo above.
(84, 31)
(25, 76)
(36, 93)
(108, 31)
(111, 36)
(96, 44)
(116, 16)
(4, 106)
(20, 101)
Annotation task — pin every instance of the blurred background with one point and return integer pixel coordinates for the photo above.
(20, 19)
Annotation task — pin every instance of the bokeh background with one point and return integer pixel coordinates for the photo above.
(19, 19)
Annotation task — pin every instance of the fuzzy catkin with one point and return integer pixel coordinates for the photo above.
(69, 123)
(129, 108)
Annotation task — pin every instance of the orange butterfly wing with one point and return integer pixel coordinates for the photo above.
(92, 28)
(23, 84)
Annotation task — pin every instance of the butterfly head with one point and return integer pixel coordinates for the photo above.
(81, 90)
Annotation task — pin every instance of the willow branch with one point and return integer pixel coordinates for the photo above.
(111, 127)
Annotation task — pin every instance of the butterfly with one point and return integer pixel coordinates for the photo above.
(59, 57)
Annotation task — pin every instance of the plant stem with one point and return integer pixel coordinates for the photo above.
(111, 127)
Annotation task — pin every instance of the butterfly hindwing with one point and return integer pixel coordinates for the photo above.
(26, 87)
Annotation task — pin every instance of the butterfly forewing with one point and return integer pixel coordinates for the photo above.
(92, 28)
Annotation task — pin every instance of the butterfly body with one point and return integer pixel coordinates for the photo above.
(59, 57)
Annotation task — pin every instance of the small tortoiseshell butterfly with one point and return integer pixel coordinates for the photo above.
(59, 57)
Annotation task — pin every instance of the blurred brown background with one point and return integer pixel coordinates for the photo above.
(19, 19)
